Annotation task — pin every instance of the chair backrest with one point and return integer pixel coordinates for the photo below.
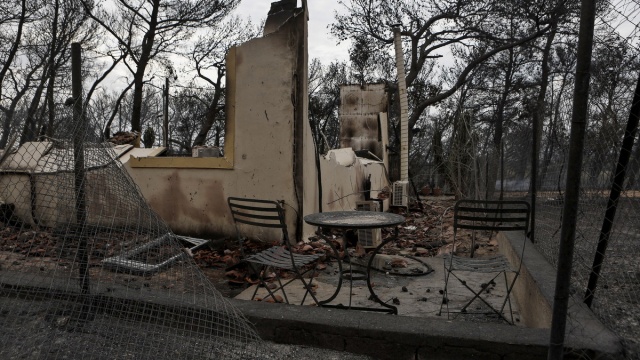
(492, 215)
(261, 213)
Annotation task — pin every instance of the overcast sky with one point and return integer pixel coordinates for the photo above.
(321, 44)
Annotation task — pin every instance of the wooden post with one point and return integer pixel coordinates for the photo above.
(79, 164)
(534, 178)
(165, 113)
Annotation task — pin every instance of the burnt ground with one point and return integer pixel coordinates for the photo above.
(43, 335)
(617, 297)
(426, 233)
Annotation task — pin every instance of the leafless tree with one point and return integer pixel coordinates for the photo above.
(432, 28)
(61, 23)
(208, 58)
(149, 30)
(14, 16)
(324, 101)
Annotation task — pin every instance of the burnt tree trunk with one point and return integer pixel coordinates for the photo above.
(142, 62)
(212, 112)
(494, 156)
(14, 47)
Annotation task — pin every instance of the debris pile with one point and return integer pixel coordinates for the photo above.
(238, 274)
(427, 232)
(124, 137)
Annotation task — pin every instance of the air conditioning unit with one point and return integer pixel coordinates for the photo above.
(369, 238)
(400, 194)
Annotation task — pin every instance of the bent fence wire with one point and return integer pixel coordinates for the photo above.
(89, 271)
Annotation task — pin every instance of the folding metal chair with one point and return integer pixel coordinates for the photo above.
(270, 214)
(479, 215)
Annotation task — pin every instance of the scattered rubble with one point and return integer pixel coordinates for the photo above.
(427, 232)
(124, 137)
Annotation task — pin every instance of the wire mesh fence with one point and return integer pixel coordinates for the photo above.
(89, 271)
(477, 169)
(615, 298)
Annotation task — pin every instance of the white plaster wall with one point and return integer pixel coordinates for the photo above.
(16, 190)
(194, 201)
(53, 181)
(309, 166)
(15, 186)
(343, 176)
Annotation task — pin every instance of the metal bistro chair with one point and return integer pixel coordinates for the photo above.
(478, 215)
(270, 214)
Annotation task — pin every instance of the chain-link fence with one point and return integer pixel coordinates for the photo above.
(90, 271)
(606, 270)
(615, 298)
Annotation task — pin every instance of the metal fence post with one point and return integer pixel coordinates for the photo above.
(614, 195)
(574, 170)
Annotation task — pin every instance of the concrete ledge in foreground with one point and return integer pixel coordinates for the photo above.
(399, 337)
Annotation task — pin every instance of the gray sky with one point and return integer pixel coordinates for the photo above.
(322, 44)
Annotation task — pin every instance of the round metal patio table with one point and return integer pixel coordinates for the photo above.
(358, 220)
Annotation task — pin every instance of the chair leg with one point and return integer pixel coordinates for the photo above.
(256, 290)
(477, 295)
(262, 282)
(444, 291)
(272, 294)
(281, 288)
(509, 290)
(350, 281)
(308, 288)
(260, 279)
(281, 285)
